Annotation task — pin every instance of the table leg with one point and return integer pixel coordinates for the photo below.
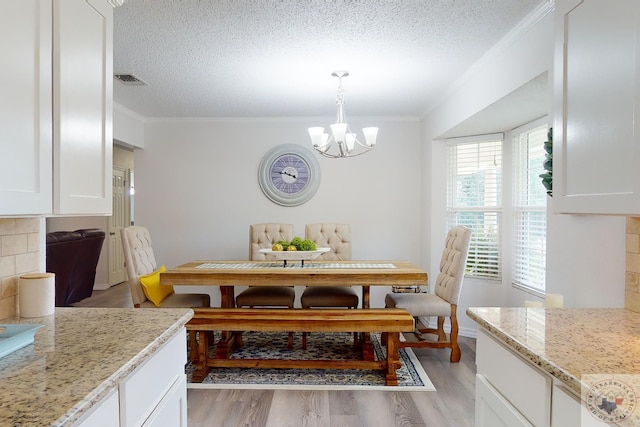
(365, 296)
(228, 340)
(367, 346)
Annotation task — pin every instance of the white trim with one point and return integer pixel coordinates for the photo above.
(475, 138)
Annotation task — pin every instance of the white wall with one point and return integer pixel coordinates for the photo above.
(197, 189)
(585, 254)
(128, 127)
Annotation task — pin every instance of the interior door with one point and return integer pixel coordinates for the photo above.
(117, 221)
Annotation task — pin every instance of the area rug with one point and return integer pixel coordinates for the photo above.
(320, 346)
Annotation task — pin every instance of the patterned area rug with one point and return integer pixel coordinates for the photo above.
(411, 376)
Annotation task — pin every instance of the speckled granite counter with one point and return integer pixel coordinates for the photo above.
(79, 356)
(575, 345)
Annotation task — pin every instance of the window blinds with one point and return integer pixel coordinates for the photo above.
(474, 189)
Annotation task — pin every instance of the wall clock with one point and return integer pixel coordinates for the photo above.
(289, 175)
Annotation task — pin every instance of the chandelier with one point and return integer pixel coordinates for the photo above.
(341, 142)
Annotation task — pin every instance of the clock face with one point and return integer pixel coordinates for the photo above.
(289, 175)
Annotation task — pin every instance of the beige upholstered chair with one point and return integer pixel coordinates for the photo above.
(264, 236)
(337, 237)
(444, 301)
(140, 261)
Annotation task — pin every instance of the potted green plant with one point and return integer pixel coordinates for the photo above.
(547, 177)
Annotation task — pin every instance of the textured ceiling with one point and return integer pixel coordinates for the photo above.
(274, 58)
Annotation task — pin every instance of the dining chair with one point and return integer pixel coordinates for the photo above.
(142, 267)
(263, 236)
(443, 302)
(336, 237)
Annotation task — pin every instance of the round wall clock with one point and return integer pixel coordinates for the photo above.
(289, 175)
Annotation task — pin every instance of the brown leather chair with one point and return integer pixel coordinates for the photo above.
(337, 237)
(263, 236)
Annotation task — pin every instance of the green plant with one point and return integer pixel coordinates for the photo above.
(547, 177)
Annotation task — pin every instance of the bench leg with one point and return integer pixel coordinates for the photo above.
(392, 358)
(202, 370)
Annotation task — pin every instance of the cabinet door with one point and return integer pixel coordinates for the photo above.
(596, 102)
(493, 410)
(25, 107)
(83, 103)
(569, 412)
(104, 414)
(172, 410)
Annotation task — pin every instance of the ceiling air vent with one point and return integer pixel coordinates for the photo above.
(130, 80)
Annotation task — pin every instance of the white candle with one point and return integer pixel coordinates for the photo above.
(554, 300)
(533, 303)
(36, 294)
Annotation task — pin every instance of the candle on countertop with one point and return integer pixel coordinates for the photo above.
(554, 301)
(36, 294)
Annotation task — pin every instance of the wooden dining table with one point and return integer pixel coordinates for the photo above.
(229, 274)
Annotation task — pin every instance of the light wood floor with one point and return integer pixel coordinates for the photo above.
(452, 405)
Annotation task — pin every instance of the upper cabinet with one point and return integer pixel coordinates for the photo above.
(597, 107)
(25, 107)
(83, 106)
(56, 107)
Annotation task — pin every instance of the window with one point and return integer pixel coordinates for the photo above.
(529, 209)
(474, 199)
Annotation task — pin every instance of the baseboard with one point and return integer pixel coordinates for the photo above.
(101, 286)
(462, 332)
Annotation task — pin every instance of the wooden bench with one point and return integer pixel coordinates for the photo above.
(389, 320)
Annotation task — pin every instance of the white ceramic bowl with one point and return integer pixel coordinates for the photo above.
(295, 255)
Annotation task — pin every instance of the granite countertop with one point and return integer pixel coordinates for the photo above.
(577, 346)
(77, 358)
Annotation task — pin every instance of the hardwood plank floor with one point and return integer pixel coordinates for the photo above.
(452, 405)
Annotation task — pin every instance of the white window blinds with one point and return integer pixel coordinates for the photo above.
(529, 210)
(474, 200)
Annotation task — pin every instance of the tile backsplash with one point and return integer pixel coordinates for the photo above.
(19, 254)
(632, 275)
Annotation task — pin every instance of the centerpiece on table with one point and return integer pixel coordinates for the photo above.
(297, 249)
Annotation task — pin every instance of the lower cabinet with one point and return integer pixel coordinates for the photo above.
(155, 394)
(493, 410)
(106, 413)
(512, 392)
(506, 379)
(568, 411)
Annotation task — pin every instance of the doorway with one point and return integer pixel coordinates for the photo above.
(119, 219)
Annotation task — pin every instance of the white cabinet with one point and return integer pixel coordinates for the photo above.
(493, 410)
(596, 99)
(512, 392)
(25, 107)
(500, 398)
(172, 410)
(56, 107)
(83, 104)
(155, 394)
(105, 413)
(568, 411)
